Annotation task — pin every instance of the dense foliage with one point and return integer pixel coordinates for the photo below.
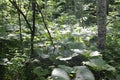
(57, 40)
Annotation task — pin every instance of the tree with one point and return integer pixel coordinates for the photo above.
(37, 36)
(107, 6)
(101, 22)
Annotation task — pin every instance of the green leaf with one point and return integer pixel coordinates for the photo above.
(66, 68)
(83, 73)
(4, 61)
(95, 53)
(60, 74)
(40, 2)
(40, 71)
(99, 64)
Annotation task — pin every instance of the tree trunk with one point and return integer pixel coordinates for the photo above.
(107, 6)
(33, 28)
(101, 22)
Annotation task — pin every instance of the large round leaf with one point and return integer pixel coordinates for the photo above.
(83, 73)
(60, 74)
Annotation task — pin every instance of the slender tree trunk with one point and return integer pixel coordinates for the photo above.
(101, 22)
(107, 6)
(33, 28)
(46, 27)
(28, 66)
(20, 28)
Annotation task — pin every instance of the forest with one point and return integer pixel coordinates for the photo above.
(59, 39)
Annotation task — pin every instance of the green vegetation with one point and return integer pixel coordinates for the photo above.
(59, 40)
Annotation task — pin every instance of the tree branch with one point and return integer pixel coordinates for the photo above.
(45, 25)
(20, 28)
(20, 11)
(33, 27)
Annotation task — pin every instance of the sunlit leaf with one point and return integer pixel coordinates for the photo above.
(66, 68)
(83, 73)
(99, 64)
(95, 53)
(60, 73)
